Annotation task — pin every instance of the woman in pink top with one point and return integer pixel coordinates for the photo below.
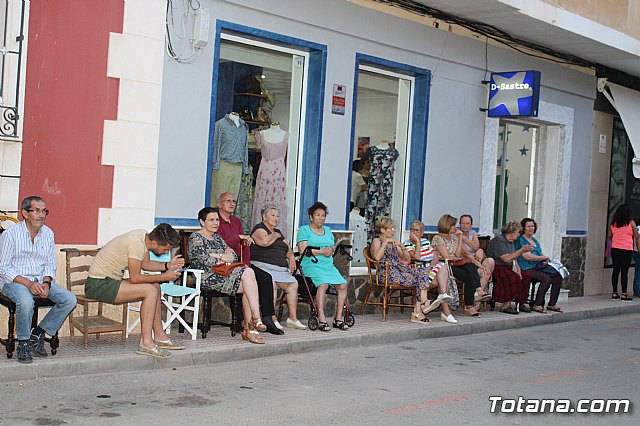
(623, 233)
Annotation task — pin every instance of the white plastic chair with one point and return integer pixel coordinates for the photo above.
(190, 297)
(190, 302)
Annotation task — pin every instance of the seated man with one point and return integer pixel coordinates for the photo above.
(28, 270)
(131, 250)
(231, 232)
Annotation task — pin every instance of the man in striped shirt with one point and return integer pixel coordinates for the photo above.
(28, 270)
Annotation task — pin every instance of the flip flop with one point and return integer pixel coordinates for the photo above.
(538, 309)
(554, 309)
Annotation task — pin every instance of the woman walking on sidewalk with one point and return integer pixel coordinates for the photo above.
(623, 233)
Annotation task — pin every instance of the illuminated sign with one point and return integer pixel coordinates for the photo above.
(514, 94)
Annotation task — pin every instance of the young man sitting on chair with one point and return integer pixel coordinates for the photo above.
(106, 283)
(27, 271)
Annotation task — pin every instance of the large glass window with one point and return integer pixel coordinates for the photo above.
(263, 85)
(380, 153)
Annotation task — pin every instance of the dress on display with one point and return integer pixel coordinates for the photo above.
(244, 208)
(380, 186)
(271, 182)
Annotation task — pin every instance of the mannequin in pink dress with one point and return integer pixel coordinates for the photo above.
(272, 178)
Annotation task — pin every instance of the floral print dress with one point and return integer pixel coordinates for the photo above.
(402, 274)
(271, 182)
(199, 251)
(380, 186)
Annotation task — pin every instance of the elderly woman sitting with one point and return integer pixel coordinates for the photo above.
(386, 249)
(272, 254)
(471, 250)
(510, 283)
(535, 265)
(323, 273)
(207, 249)
(449, 245)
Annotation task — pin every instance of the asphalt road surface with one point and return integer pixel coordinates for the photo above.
(447, 381)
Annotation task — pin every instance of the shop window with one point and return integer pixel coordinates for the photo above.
(257, 136)
(380, 153)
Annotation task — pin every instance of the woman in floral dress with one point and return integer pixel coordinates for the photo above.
(384, 248)
(207, 249)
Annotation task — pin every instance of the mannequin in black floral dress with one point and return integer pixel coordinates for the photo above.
(380, 185)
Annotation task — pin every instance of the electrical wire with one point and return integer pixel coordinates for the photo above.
(491, 32)
(170, 24)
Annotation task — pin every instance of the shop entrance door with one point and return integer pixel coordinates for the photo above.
(515, 173)
(382, 129)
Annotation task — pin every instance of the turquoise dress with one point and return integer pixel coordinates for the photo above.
(323, 272)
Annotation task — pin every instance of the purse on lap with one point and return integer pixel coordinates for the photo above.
(226, 268)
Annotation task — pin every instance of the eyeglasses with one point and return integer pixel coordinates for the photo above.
(39, 211)
(415, 230)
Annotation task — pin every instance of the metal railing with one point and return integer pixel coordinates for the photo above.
(10, 71)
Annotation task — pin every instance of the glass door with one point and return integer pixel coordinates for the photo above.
(380, 153)
(515, 173)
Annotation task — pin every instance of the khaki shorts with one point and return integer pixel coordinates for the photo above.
(103, 289)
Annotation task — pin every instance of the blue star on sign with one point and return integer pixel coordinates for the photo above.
(523, 151)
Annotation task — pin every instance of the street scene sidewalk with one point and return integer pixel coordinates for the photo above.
(107, 355)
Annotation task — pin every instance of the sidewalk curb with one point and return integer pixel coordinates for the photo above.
(129, 362)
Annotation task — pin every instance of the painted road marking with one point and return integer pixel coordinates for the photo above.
(426, 404)
(559, 376)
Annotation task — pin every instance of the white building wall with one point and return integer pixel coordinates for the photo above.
(456, 126)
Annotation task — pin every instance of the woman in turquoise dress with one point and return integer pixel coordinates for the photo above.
(323, 273)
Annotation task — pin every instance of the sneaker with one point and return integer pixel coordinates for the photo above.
(448, 318)
(37, 345)
(295, 324)
(24, 352)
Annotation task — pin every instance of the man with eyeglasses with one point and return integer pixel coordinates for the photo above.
(131, 250)
(232, 233)
(27, 271)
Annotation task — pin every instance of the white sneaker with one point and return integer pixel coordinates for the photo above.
(295, 324)
(278, 325)
(433, 305)
(448, 318)
(443, 298)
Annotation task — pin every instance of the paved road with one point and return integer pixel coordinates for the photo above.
(446, 380)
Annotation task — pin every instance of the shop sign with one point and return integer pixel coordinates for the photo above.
(514, 94)
(339, 99)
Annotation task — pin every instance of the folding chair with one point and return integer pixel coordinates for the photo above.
(190, 301)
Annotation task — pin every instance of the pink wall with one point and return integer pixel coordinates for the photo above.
(67, 98)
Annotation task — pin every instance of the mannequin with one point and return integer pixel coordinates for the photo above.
(271, 182)
(273, 134)
(230, 157)
(235, 117)
(383, 144)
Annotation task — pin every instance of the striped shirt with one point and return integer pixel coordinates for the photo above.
(426, 251)
(19, 256)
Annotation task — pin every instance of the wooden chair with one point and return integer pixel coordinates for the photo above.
(77, 269)
(10, 342)
(380, 279)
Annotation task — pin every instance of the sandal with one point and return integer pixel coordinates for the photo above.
(415, 317)
(538, 309)
(258, 325)
(252, 336)
(340, 324)
(554, 309)
(615, 296)
(467, 311)
(323, 326)
(625, 296)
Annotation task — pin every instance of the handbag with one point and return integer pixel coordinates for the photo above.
(226, 268)
(452, 290)
(546, 269)
(461, 262)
